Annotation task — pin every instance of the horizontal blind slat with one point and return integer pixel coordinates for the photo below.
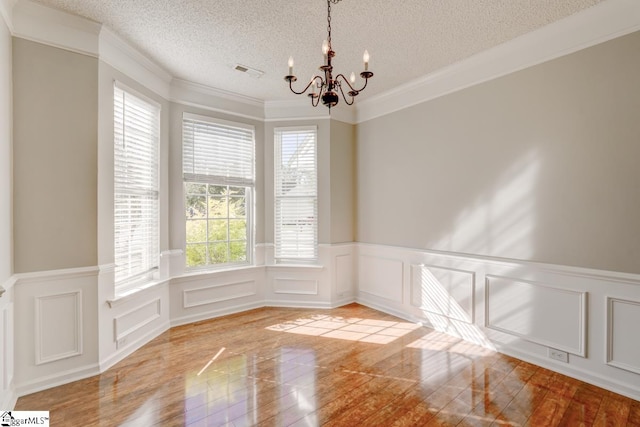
(136, 188)
(296, 195)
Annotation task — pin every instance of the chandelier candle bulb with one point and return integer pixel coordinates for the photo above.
(325, 48)
(291, 65)
(365, 58)
(352, 77)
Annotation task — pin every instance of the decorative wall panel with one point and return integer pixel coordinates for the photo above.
(623, 347)
(135, 319)
(381, 277)
(295, 286)
(58, 325)
(344, 274)
(218, 293)
(550, 316)
(443, 291)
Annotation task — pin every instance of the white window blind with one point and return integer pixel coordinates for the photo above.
(296, 195)
(219, 175)
(136, 185)
(217, 151)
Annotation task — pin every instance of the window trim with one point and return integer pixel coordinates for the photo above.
(285, 260)
(221, 181)
(127, 285)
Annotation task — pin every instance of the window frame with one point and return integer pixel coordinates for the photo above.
(124, 285)
(276, 240)
(248, 184)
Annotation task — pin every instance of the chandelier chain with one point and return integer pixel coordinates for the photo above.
(329, 23)
(329, 20)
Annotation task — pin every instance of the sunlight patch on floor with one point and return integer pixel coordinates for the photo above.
(440, 341)
(352, 329)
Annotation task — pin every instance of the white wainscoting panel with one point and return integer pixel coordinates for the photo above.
(381, 277)
(623, 345)
(133, 320)
(58, 325)
(344, 274)
(218, 293)
(443, 291)
(7, 347)
(549, 316)
(283, 285)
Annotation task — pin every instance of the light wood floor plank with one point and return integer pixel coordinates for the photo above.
(350, 366)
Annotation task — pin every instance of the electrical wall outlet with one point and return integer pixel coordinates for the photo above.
(121, 342)
(559, 355)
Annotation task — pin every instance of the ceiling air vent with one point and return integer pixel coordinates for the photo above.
(256, 74)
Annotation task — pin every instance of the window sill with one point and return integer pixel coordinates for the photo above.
(204, 273)
(132, 292)
(295, 266)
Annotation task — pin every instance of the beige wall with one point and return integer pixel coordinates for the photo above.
(342, 182)
(55, 139)
(538, 165)
(6, 202)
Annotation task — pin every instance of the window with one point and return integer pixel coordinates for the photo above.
(136, 185)
(219, 179)
(296, 195)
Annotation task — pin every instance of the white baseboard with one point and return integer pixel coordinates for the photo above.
(9, 399)
(298, 304)
(573, 372)
(57, 379)
(343, 301)
(368, 302)
(184, 320)
(128, 349)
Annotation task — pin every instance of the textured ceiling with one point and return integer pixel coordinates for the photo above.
(201, 40)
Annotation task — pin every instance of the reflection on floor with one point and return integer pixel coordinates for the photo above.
(351, 366)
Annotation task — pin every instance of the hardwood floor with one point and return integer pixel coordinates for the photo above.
(350, 366)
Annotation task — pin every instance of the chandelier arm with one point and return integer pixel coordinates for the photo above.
(344, 96)
(347, 82)
(366, 80)
(306, 88)
(316, 99)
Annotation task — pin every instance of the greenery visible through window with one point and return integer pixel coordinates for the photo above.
(216, 222)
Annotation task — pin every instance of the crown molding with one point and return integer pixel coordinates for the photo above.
(6, 11)
(604, 21)
(345, 113)
(213, 99)
(49, 26)
(116, 52)
(218, 93)
(42, 24)
(597, 24)
(301, 109)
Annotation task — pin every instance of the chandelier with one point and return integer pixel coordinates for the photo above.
(326, 88)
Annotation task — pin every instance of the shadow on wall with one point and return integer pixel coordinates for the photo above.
(539, 165)
(501, 221)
